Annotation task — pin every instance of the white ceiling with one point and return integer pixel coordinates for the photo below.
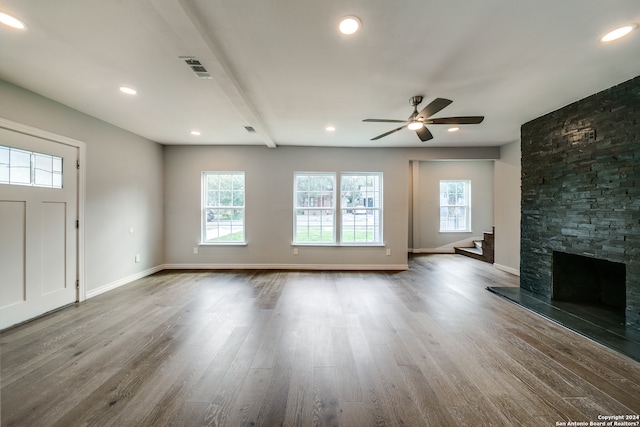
(282, 67)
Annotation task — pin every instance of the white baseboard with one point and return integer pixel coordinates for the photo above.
(511, 270)
(328, 267)
(121, 282)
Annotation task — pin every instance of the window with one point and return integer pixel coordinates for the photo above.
(316, 205)
(223, 207)
(361, 208)
(455, 206)
(314, 208)
(20, 167)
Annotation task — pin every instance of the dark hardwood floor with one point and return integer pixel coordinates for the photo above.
(425, 347)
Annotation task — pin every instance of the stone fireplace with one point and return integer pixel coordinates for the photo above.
(581, 201)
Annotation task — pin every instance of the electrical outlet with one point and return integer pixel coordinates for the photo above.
(137, 258)
(295, 251)
(388, 252)
(195, 250)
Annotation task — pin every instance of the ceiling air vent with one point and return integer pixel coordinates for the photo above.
(196, 66)
(250, 129)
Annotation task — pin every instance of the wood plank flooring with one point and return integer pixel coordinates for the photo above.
(425, 347)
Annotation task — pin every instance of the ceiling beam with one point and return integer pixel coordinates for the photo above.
(188, 26)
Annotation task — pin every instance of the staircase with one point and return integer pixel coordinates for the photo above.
(481, 249)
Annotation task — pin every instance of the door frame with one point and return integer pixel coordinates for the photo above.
(81, 146)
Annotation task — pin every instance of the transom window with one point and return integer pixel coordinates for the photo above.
(223, 207)
(316, 206)
(455, 206)
(21, 167)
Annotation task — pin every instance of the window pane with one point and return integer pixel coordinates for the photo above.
(225, 182)
(4, 165)
(314, 226)
(223, 219)
(43, 170)
(361, 203)
(360, 226)
(20, 167)
(238, 198)
(226, 198)
(455, 205)
(238, 182)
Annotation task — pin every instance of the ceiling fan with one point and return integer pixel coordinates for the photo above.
(417, 121)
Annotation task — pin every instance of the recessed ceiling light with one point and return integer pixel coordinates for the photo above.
(330, 128)
(414, 125)
(195, 133)
(12, 21)
(128, 90)
(454, 129)
(349, 25)
(618, 33)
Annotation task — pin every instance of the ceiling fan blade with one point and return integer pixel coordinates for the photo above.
(387, 133)
(433, 107)
(384, 120)
(424, 134)
(464, 120)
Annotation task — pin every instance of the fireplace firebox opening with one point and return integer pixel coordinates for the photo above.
(584, 279)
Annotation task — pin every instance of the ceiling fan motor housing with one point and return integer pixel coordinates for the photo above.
(415, 100)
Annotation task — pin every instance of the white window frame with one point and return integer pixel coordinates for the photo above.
(205, 215)
(366, 213)
(345, 209)
(315, 209)
(464, 204)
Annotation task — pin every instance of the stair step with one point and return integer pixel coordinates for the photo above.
(478, 244)
(473, 250)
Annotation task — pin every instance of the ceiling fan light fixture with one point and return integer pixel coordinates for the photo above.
(415, 125)
(330, 128)
(12, 21)
(349, 25)
(453, 129)
(195, 133)
(618, 33)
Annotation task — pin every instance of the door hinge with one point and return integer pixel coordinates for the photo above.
(77, 223)
(77, 283)
(77, 164)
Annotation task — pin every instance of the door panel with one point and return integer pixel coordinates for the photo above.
(12, 252)
(38, 246)
(53, 245)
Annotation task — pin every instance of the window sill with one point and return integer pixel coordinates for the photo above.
(222, 244)
(456, 232)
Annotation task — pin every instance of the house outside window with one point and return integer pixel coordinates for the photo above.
(455, 206)
(223, 208)
(361, 208)
(314, 208)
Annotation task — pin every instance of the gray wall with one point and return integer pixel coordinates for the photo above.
(134, 183)
(123, 189)
(507, 208)
(269, 183)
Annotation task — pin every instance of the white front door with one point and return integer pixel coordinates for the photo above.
(38, 231)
